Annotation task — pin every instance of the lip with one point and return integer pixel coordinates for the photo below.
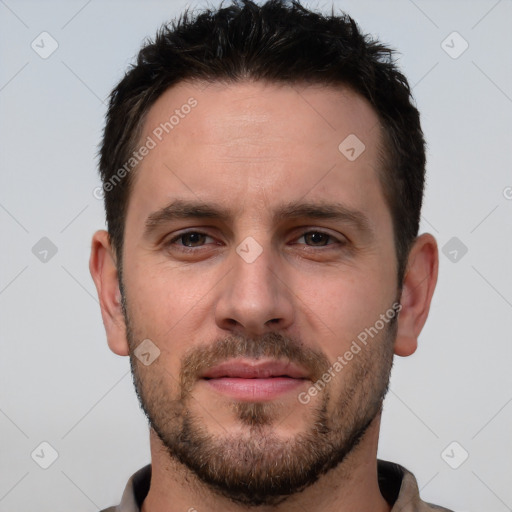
(254, 380)
(255, 369)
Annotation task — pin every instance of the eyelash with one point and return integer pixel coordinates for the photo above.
(173, 240)
(318, 232)
(183, 247)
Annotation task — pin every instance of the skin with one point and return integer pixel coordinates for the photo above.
(252, 148)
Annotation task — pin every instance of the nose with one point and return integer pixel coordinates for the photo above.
(254, 298)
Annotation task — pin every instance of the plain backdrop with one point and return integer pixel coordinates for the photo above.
(61, 385)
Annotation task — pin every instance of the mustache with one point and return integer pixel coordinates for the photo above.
(269, 345)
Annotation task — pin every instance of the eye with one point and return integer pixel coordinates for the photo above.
(191, 239)
(317, 239)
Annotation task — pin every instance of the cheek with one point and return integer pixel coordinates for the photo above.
(163, 300)
(340, 308)
(168, 311)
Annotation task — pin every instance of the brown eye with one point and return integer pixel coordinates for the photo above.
(316, 238)
(192, 239)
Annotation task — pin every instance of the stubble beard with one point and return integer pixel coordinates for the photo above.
(257, 467)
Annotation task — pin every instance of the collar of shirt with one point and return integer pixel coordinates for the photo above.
(397, 485)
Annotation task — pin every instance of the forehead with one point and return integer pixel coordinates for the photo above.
(260, 142)
(263, 109)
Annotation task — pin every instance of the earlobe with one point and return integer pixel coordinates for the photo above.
(417, 290)
(103, 268)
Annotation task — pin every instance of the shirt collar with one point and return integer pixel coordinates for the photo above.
(135, 491)
(397, 485)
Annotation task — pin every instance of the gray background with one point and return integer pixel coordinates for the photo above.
(60, 384)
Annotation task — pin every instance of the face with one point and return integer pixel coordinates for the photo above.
(259, 260)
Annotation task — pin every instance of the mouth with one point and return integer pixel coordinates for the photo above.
(255, 380)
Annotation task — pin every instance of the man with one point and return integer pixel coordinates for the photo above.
(263, 170)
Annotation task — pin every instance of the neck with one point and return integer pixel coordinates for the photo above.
(350, 487)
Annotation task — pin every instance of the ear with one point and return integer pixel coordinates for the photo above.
(417, 289)
(103, 268)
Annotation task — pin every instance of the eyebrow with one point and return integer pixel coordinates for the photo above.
(325, 211)
(180, 209)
